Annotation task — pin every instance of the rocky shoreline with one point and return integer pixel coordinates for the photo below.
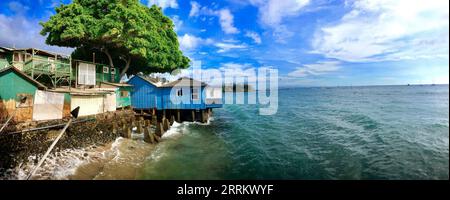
(16, 146)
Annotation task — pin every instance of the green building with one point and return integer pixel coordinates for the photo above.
(49, 68)
(122, 90)
(17, 91)
(91, 74)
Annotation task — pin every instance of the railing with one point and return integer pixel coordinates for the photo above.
(37, 66)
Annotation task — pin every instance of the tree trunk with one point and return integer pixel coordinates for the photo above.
(111, 63)
(127, 66)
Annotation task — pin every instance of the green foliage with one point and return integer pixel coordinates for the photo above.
(130, 33)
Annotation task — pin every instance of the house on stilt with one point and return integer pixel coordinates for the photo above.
(185, 98)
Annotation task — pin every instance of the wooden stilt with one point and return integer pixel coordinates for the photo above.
(202, 116)
(172, 120)
(139, 127)
(178, 116)
(155, 120)
(147, 136)
(193, 115)
(159, 129)
(114, 125)
(166, 124)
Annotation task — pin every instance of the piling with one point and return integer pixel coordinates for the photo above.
(159, 129)
(172, 120)
(178, 116)
(155, 120)
(114, 125)
(203, 117)
(193, 115)
(148, 136)
(133, 124)
(157, 138)
(166, 124)
(139, 127)
(126, 131)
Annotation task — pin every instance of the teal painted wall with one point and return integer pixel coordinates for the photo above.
(11, 84)
(106, 77)
(123, 101)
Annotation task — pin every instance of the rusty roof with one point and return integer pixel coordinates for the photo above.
(25, 76)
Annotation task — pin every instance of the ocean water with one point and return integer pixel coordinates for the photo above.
(378, 132)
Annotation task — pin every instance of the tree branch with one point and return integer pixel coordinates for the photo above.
(105, 50)
(127, 66)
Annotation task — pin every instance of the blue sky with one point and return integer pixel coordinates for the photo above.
(311, 43)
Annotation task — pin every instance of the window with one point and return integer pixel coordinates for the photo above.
(18, 57)
(105, 70)
(86, 74)
(194, 93)
(113, 70)
(24, 100)
(180, 92)
(124, 94)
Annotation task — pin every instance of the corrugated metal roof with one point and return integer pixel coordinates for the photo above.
(25, 76)
(81, 92)
(117, 84)
(184, 82)
(39, 50)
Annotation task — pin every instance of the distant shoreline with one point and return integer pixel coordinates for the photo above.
(349, 86)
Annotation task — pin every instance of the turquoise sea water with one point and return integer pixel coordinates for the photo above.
(379, 132)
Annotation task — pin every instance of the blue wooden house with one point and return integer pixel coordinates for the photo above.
(183, 94)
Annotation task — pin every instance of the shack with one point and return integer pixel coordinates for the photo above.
(90, 101)
(122, 91)
(184, 94)
(17, 91)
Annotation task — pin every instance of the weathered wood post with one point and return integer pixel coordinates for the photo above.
(172, 120)
(155, 120)
(139, 127)
(126, 131)
(202, 116)
(178, 116)
(157, 138)
(133, 124)
(159, 129)
(166, 124)
(193, 115)
(148, 136)
(114, 125)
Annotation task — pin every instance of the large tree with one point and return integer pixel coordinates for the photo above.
(129, 34)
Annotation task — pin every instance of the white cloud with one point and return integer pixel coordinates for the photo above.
(225, 47)
(17, 7)
(226, 18)
(163, 3)
(387, 30)
(22, 32)
(189, 42)
(227, 21)
(255, 36)
(177, 22)
(195, 9)
(315, 69)
(273, 12)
